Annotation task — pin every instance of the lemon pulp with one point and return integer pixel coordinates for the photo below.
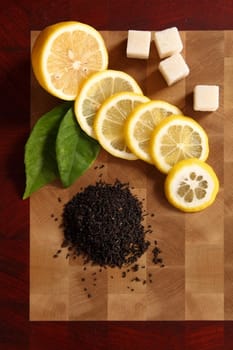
(191, 185)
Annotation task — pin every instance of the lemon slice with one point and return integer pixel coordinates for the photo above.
(191, 185)
(141, 123)
(65, 54)
(96, 90)
(110, 119)
(177, 138)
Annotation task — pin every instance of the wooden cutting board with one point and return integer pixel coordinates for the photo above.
(197, 280)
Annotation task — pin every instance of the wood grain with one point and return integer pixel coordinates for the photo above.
(191, 285)
(228, 173)
(17, 332)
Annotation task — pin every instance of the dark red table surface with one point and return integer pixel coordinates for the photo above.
(17, 18)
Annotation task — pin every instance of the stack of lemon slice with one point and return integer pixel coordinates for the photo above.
(130, 126)
(97, 89)
(179, 147)
(70, 61)
(141, 123)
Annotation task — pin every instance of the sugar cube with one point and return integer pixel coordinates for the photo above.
(206, 98)
(173, 68)
(138, 44)
(168, 42)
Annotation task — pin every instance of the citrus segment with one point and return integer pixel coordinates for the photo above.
(141, 123)
(65, 54)
(177, 138)
(110, 119)
(96, 90)
(191, 185)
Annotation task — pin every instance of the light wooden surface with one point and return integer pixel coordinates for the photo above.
(197, 281)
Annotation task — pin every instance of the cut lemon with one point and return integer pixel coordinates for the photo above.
(65, 54)
(177, 138)
(191, 185)
(141, 123)
(96, 90)
(110, 119)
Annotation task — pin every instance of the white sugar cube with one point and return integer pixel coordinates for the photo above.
(138, 44)
(206, 98)
(168, 42)
(173, 68)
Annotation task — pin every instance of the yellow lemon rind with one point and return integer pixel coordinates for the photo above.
(133, 119)
(190, 163)
(95, 78)
(41, 49)
(156, 133)
(100, 116)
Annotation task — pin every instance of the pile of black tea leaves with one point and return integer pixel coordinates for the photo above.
(104, 224)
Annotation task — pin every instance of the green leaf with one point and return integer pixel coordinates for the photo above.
(40, 150)
(75, 150)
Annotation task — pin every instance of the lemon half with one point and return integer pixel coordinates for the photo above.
(65, 54)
